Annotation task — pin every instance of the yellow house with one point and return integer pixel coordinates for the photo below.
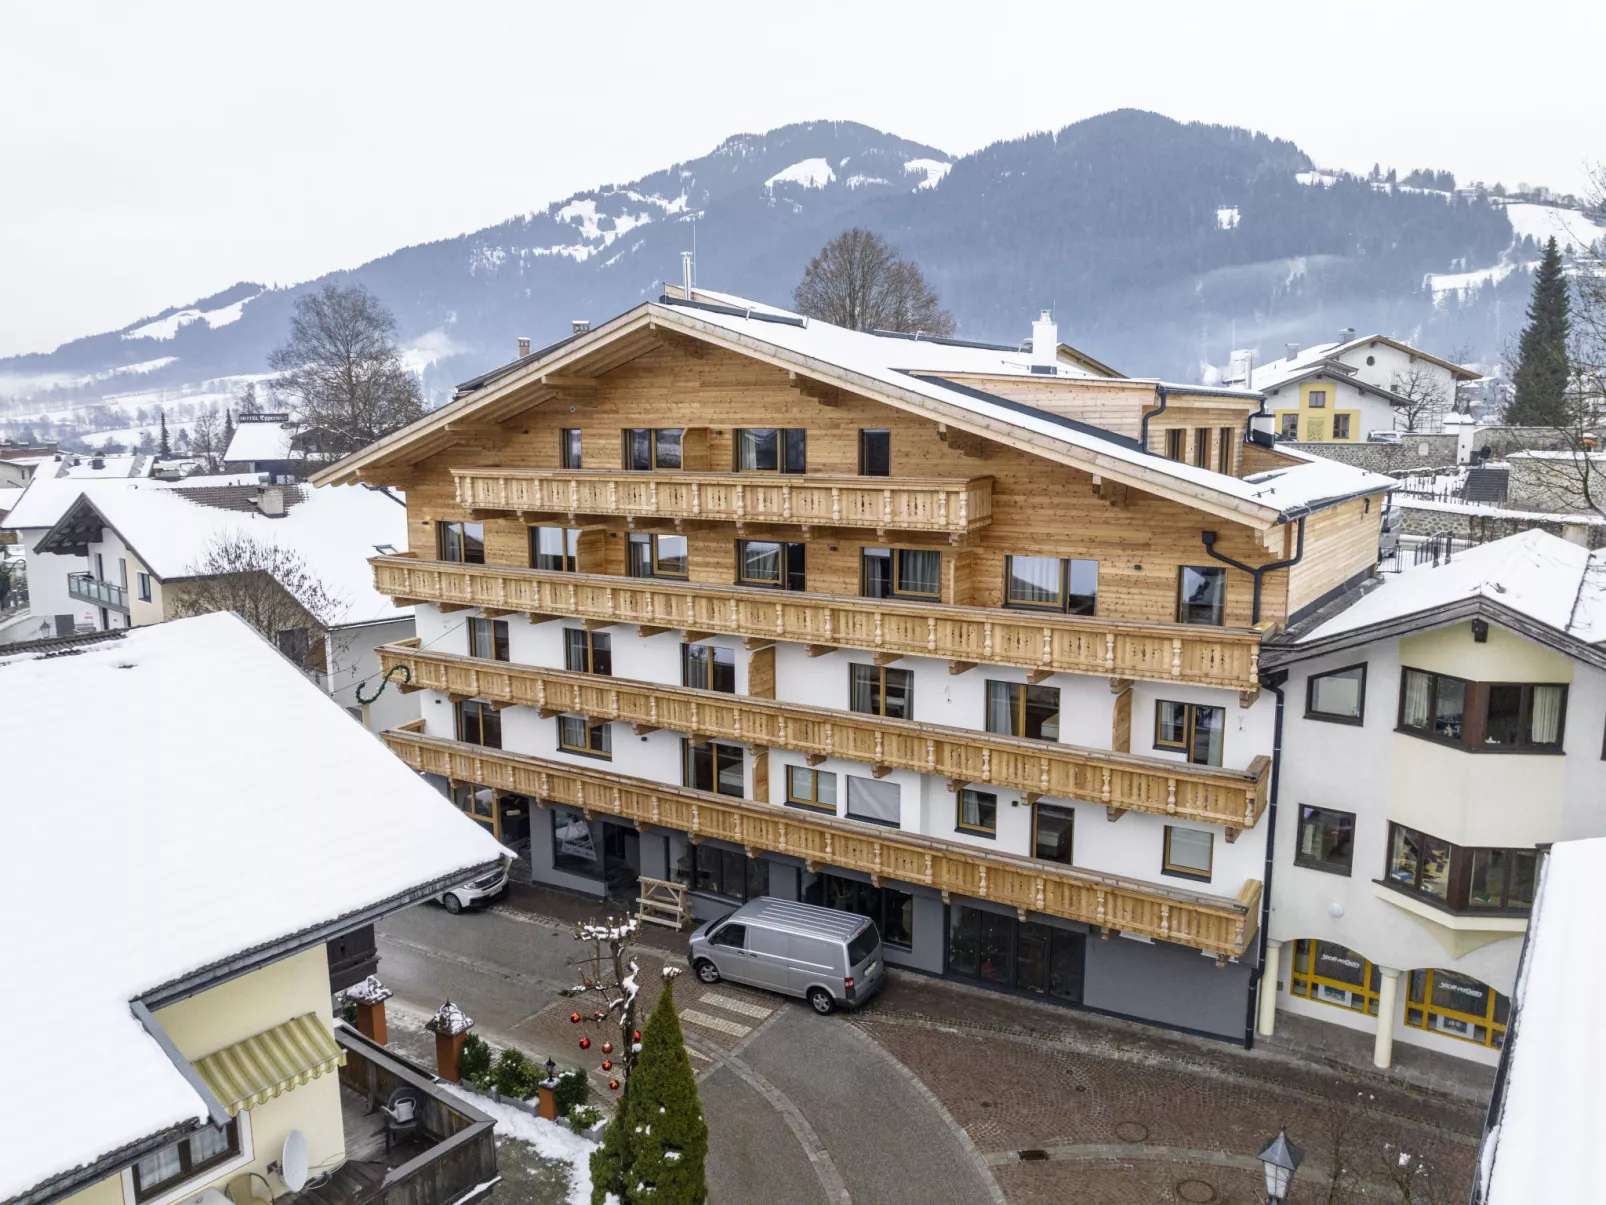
(183, 1044)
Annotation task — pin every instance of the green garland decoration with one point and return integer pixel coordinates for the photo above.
(384, 682)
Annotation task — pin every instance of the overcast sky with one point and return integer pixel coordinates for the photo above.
(153, 154)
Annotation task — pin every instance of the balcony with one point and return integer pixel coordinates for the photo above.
(964, 636)
(1222, 926)
(88, 588)
(1119, 781)
(949, 507)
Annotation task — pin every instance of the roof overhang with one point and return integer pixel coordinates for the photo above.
(80, 525)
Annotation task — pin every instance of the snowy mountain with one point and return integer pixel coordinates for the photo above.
(1161, 245)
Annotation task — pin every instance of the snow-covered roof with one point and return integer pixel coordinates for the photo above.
(46, 499)
(1533, 573)
(1274, 373)
(9, 495)
(1544, 1139)
(94, 468)
(335, 531)
(174, 872)
(260, 441)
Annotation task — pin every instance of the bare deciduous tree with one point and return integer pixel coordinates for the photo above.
(270, 587)
(340, 371)
(610, 976)
(248, 403)
(859, 282)
(206, 440)
(1427, 398)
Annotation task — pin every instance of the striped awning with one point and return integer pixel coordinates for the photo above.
(273, 1061)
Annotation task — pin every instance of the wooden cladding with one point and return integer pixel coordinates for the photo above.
(1222, 926)
(1199, 793)
(1159, 652)
(953, 507)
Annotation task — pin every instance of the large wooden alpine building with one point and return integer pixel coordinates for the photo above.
(964, 637)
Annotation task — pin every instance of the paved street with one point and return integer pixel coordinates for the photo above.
(937, 1093)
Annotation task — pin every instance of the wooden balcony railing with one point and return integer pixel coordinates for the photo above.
(1119, 781)
(1120, 648)
(1223, 926)
(953, 507)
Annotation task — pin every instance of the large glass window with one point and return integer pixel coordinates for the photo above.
(586, 652)
(1015, 709)
(185, 1159)
(1419, 862)
(569, 447)
(1201, 595)
(1027, 955)
(877, 690)
(1187, 852)
(708, 667)
(876, 800)
(771, 449)
(657, 556)
(574, 846)
(1461, 878)
(479, 723)
(1501, 878)
(575, 735)
(810, 788)
(478, 802)
(1458, 1006)
(1326, 840)
(1052, 829)
(554, 548)
(488, 638)
(714, 767)
(891, 910)
(1070, 585)
(875, 453)
(914, 573)
(1329, 973)
(1339, 695)
(462, 542)
(977, 813)
(725, 872)
(1483, 716)
(771, 563)
(646, 448)
(1193, 728)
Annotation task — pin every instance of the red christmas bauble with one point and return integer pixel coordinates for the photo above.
(574, 1017)
(607, 1048)
(636, 1035)
(607, 1064)
(589, 983)
(585, 1043)
(613, 1085)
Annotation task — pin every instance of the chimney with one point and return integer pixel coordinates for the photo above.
(580, 325)
(270, 501)
(1045, 342)
(686, 274)
(1346, 335)
(524, 346)
(1293, 350)
(96, 462)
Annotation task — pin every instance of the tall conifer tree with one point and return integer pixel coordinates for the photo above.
(1539, 397)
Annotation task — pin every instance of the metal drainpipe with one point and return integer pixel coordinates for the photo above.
(1208, 538)
(1143, 423)
(1274, 683)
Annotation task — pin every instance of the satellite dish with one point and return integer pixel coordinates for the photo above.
(293, 1164)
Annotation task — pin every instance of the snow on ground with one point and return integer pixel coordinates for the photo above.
(166, 328)
(934, 170)
(1444, 284)
(1325, 179)
(1227, 217)
(810, 173)
(550, 1140)
(1543, 221)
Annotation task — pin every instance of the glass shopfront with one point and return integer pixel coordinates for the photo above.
(998, 949)
(1329, 973)
(1458, 1006)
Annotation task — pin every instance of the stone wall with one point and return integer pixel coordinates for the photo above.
(1556, 481)
(1502, 441)
(1484, 527)
(1415, 452)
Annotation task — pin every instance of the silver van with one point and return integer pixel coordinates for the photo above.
(831, 959)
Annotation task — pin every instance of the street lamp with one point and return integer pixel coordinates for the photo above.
(551, 1069)
(1281, 1159)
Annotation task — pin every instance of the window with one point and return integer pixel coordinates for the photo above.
(574, 845)
(876, 800)
(712, 767)
(901, 573)
(569, 447)
(892, 911)
(185, 1159)
(978, 813)
(1176, 440)
(1459, 878)
(294, 643)
(1458, 1006)
(1326, 840)
(657, 556)
(554, 548)
(708, 667)
(1070, 585)
(769, 563)
(1187, 852)
(1201, 447)
(727, 872)
(1291, 426)
(771, 450)
(1051, 833)
(576, 736)
(1501, 878)
(1329, 973)
(875, 453)
(462, 542)
(1017, 710)
(488, 638)
(811, 788)
(475, 801)
(877, 690)
(1226, 437)
(1318, 399)
(1193, 728)
(144, 587)
(1340, 426)
(1482, 716)
(479, 723)
(1418, 862)
(1339, 695)
(587, 652)
(1026, 955)
(645, 449)
(734, 936)
(1201, 595)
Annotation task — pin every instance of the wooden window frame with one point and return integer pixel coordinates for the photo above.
(688, 665)
(811, 803)
(1425, 1008)
(898, 588)
(1328, 717)
(443, 530)
(481, 707)
(1176, 444)
(1289, 419)
(880, 684)
(571, 559)
(1457, 898)
(975, 830)
(783, 450)
(1064, 605)
(1019, 693)
(1201, 447)
(1341, 420)
(465, 795)
(688, 751)
(1316, 399)
(1189, 724)
(1176, 870)
(1475, 715)
(1220, 572)
(587, 750)
(589, 643)
(626, 452)
(1312, 981)
(1068, 813)
(864, 450)
(655, 562)
(187, 1171)
(497, 632)
(1309, 862)
(571, 448)
(1226, 446)
(788, 550)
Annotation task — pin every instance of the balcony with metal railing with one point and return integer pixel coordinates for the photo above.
(86, 587)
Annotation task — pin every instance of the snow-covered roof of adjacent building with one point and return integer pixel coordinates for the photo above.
(1273, 373)
(1550, 1104)
(46, 499)
(260, 441)
(287, 823)
(89, 467)
(9, 496)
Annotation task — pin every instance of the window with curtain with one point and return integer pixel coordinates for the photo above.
(554, 548)
(1015, 709)
(587, 652)
(771, 450)
(875, 573)
(714, 767)
(874, 799)
(479, 723)
(488, 638)
(1193, 728)
(462, 542)
(576, 736)
(1034, 581)
(771, 563)
(709, 667)
(978, 812)
(878, 690)
(163, 1170)
(1485, 717)
(919, 573)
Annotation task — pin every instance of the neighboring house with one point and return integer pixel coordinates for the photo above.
(199, 1037)
(272, 444)
(1343, 391)
(19, 463)
(10, 495)
(957, 636)
(1438, 732)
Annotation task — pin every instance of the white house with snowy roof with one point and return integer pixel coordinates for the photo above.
(1345, 390)
(196, 1052)
(1439, 731)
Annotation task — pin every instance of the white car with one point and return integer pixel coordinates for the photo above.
(1384, 437)
(475, 891)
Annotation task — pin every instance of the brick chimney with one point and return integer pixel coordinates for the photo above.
(524, 346)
